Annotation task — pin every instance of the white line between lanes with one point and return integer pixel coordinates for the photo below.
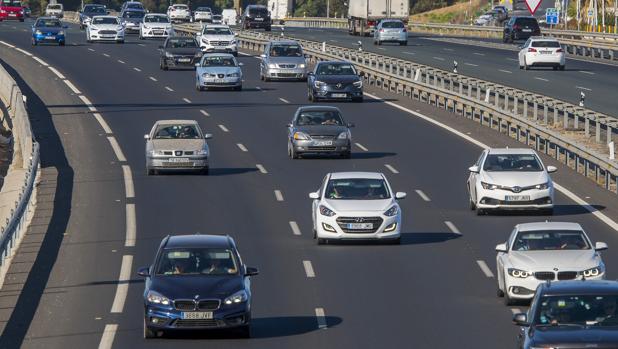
(41, 62)
(471, 64)
(308, 269)
(512, 59)
(284, 100)
(391, 168)
(169, 89)
(121, 62)
(448, 49)
(187, 100)
(128, 182)
(223, 128)
(505, 71)
(102, 122)
(295, 228)
(89, 49)
(485, 269)
(586, 72)
(408, 53)
(87, 103)
(137, 69)
(123, 286)
(541, 79)
(278, 195)
(438, 58)
(107, 340)
(204, 112)
(422, 195)
(452, 227)
(479, 54)
(583, 88)
(242, 147)
(361, 146)
(131, 226)
(116, 148)
(152, 78)
(57, 73)
(72, 87)
(601, 216)
(106, 55)
(319, 314)
(261, 168)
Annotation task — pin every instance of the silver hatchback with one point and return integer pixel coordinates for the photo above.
(319, 130)
(283, 59)
(390, 30)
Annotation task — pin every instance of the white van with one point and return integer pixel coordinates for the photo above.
(230, 16)
(54, 10)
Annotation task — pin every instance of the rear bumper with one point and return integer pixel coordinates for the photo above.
(44, 39)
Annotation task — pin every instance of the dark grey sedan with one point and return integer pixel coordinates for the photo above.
(179, 52)
(334, 80)
(319, 130)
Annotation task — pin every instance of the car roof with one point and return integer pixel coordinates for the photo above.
(500, 151)
(216, 26)
(548, 226)
(350, 175)
(199, 240)
(579, 288)
(218, 54)
(176, 121)
(284, 42)
(317, 107)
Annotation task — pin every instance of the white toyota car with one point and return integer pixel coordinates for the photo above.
(356, 205)
(105, 28)
(510, 178)
(155, 25)
(542, 252)
(542, 52)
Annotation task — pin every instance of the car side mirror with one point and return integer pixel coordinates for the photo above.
(361, 74)
(208, 136)
(262, 56)
(552, 169)
(400, 195)
(521, 319)
(473, 169)
(600, 246)
(501, 248)
(351, 124)
(288, 125)
(315, 195)
(144, 271)
(241, 64)
(146, 136)
(250, 271)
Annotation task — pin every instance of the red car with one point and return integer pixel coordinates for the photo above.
(11, 9)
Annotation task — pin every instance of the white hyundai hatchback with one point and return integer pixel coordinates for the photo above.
(542, 252)
(542, 52)
(505, 178)
(356, 205)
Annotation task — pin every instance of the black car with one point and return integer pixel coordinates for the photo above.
(88, 12)
(334, 80)
(132, 20)
(256, 16)
(571, 314)
(520, 28)
(179, 52)
(197, 282)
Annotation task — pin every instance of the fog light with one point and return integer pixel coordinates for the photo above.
(390, 228)
(515, 290)
(327, 227)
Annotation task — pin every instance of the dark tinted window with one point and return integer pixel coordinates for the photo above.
(392, 25)
(258, 11)
(49, 23)
(588, 310)
(286, 51)
(11, 3)
(133, 14)
(553, 44)
(512, 162)
(181, 43)
(357, 189)
(137, 6)
(527, 22)
(95, 11)
(205, 261)
(319, 117)
(549, 240)
(335, 69)
(178, 131)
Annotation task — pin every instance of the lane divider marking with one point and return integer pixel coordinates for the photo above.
(278, 195)
(137, 69)
(284, 100)
(121, 62)
(42, 62)
(361, 147)
(485, 269)
(89, 49)
(131, 226)
(505, 71)
(242, 147)
(23, 51)
(116, 148)
(128, 182)
(308, 269)
(319, 314)
(583, 88)
(261, 168)
(106, 55)
(452, 227)
(295, 228)
(187, 100)
(472, 64)
(107, 339)
(153, 78)
(391, 168)
(7, 44)
(56, 72)
(169, 89)
(123, 285)
(479, 54)
(422, 195)
(87, 103)
(586, 72)
(204, 112)
(438, 58)
(223, 128)
(541, 79)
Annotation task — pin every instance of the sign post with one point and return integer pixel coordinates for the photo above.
(533, 5)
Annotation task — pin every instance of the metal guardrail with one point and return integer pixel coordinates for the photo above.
(576, 136)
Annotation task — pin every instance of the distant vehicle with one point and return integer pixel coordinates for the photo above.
(218, 38)
(570, 314)
(230, 17)
(256, 16)
(197, 282)
(283, 59)
(335, 80)
(487, 19)
(319, 130)
(179, 13)
(179, 52)
(48, 30)
(27, 12)
(542, 52)
(88, 12)
(155, 25)
(356, 206)
(177, 145)
(11, 10)
(202, 14)
(218, 70)
(512, 179)
(520, 28)
(537, 252)
(364, 15)
(132, 19)
(105, 28)
(280, 9)
(217, 19)
(132, 5)
(390, 30)
(54, 10)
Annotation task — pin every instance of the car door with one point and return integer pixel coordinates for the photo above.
(316, 202)
(522, 52)
(473, 177)
(264, 60)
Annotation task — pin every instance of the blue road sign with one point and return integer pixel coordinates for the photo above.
(552, 16)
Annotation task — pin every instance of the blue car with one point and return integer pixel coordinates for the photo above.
(197, 282)
(48, 30)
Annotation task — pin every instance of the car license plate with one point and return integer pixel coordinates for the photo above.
(360, 226)
(184, 60)
(178, 160)
(526, 30)
(323, 143)
(259, 19)
(12, 15)
(339, 95)
(51, 37)
(219, 81)
(197, 315)
(546, 52)
(517, 198)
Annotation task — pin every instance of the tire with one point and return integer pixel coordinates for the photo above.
(149, 172)
(562, 67)
(294, 154)
(267, 29)
(310, 95)
(61, 43)
(198, 87)
(526, 66)
(205, 171)
(403, 43)
(34, 42)
(358, 99)
(346, 155)
(244, 331)
(480, 211)
(148, 333)
(499, 293)
(379, 43)
(322, 241)
(81, 27)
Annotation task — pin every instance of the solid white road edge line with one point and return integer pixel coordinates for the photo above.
(116, 148)
(391, 168)
(361, 146)
(107, 340)
(308, 269)
(422, 195)
(131, 226)
(128, 182)
(485, 269)
(452, 227)
(319, 314)
(72, 87)
(295, 228)
(278, 195)
(605, 219)
(123, 286)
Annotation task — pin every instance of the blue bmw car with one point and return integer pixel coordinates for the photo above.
(48, 30)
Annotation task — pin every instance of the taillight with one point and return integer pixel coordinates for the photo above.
(531, 49)
(404, 30)
(516, 27)
(559, 50)
(381, 30)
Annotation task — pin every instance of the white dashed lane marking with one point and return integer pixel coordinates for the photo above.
(583, 88)
(242, 147)
(107, 340)
(505, 71)
(106, 55)
(278, 195)
(537, 78)
(121, 62)
(123, 285)
(261, 168)
(153, 78)
(137, 69)
(169, 88)
(204, 112)
(223, 128)
(586, 72)
(56, 72)
(391, 168)
(485, 269)
(479, 54)
(422, 195)
(295, 228)
(471, 64)
(187, 100)
(72, 87)
(91, 50)
(116, 148)
(319, 314)
(452, 227)
(284, 100)
(308, 269)
(102, 122)
(438, 58)
(361, 147)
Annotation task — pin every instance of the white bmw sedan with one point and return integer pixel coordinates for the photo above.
(356, 205)
(542, 252)
(510, 179)
(105, 28)
(541, 52)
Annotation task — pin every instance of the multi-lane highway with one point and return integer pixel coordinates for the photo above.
(436, 290)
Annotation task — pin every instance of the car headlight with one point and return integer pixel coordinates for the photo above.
(205, 41)
(233, 42)
(301, 136)
(233, 75)
(358, 83)
(489, 186)
(157, 298)
(202, 152)
(169, 55)
(393, 211)
(272, 65)
(155, 153)
(343, 135)
(38, 32)
(325, 211)
(522, 274)
(591, 272)
(319, 84)
(542, 186)
(302, 66)
(61, 32)
(236, 298)
(208, 75)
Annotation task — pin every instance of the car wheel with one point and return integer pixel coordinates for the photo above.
(357, 99)
(526, 66)
(379, 43)
(294, 154)
(245, 331)
(148, 333)
(480, 211)
(238, 88)
(34, 43)
(165, 67)
(205, 171)
(310, 95)
(61, 43)
(508, 301)
(499, 293)
(346, 155)
(403, 43)
(562, 67)
(322, 241)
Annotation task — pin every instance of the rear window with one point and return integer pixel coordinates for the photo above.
(392, 25)
(180, 7)
(258, 11)
(529, 22)
(552, 44)
(55, 7)
(133, 14)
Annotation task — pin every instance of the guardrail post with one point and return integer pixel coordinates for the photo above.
(611, 54)
(506, 102)
(545, 120)
(497, 99)
(609, 134)
(565, 119)
(536, 111)
(575, 120)
(598, 131)
(587, 127)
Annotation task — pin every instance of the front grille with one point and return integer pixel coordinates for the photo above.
(343, 221)
(189, 153)
(177, 164)
(323, 137)
(220, 76)
(340, 86)
(287, 66)
(287, 75)
(107, 32)
(544, 275)
(184, 305)
(219, 43)
(168, 153)
(321, 148)
(567, 275)
(185, 323)
(209, 304)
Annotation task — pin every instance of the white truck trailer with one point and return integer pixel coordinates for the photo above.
(279, 9)
(364, 15)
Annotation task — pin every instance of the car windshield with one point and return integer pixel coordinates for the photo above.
(197, 261)
(550, 240)
(137, 6)
(356, 189)
(392, 24)
(552, 44)
(217, 31)
(95, 10)
(52, 7)
(319, 117)
(10, 3)
(156, 19)
(336, 69)
(587, 310)
(133, 14)
(105, 20)
(512, 162)
(181, 43)
(218, 61)
(178, 131)
(217, 17)
(48, 23)
(286, 51)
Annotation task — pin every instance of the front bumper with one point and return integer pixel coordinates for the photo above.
(12, 16)
(180, 18)
(162, 318)
(220, 82)
(331, 92)
(181, 61)
(518, 288)
(321, 147)
(204, 18)
(48, 38)
(157, 33)
(530, 199)
(218, 49)
(324, 224)
(131, 27)
(168, 163)
(257, 24)
(284, 74)
(107, 37)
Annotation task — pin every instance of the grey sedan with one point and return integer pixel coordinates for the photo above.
(334, 80)
(218, 70)
(176, 145)
(319, 130)
(283, 60)
(391, 30)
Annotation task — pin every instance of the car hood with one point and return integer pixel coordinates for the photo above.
(183, 51)
(323, 130)
(511, 179)
(157, 25)
(12, 8)
(575, 337)
(178, 144)
(333, 79)
(359, 205)
(218, 70)
(106, 26)
(287, 60)
(567, 260)
(132, 20)
(202, 286)
(218, 37)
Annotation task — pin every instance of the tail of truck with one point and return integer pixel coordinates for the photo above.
(364, 15)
